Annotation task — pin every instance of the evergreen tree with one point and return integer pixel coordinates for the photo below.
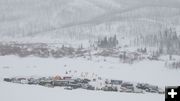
(110, 42)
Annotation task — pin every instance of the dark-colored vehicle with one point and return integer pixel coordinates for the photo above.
(7, 79)
(126, 84)
(90, 87)
(110, 88)
(116, 82)
(68, 88)
(46, 83)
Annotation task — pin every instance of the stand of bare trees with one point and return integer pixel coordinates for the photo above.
(166, 42)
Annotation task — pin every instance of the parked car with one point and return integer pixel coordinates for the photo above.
(124, 89)
(33, 81)
(109, 88)
(126, 84)
(68, 88)
(46, 83)
(7, 79)
(136, 90)
(116, 82)
(90, 87)
(161, 91)
(61, 83)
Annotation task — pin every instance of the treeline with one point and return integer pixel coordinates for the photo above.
(34, 49)
(166, 42)
(108, 42)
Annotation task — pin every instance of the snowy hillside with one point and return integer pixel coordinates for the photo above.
(88, 50)
(84, 19)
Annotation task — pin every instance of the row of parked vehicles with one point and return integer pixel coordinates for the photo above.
(67, 82)
(122, 86)
(70, 83)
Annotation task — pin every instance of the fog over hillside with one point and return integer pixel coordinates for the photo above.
(89, 50)
(85, 19)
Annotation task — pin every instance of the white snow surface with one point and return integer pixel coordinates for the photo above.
(14, 92)
(152, 72)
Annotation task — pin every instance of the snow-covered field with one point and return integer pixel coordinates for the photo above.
(152, 72)
(83, 22)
